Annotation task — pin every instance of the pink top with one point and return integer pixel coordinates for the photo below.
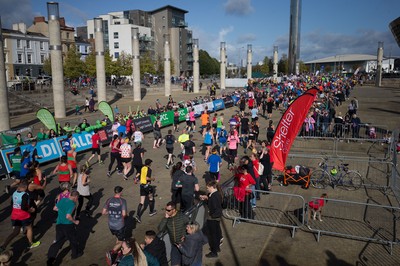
(232, 142)
(191, 116)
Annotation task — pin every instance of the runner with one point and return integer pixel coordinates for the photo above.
(116, 209)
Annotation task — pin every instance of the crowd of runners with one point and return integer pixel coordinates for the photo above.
(239, 142)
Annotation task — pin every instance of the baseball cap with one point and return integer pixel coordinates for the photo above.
(118, 189)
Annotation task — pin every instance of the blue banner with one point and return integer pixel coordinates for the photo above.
(51, 149)
(218, 104)
(235, 99)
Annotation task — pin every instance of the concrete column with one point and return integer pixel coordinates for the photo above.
(275, 63)
(378, 79)
(294, 35)
(167, 66)
(249, 61)
(4, 113)
(137, 96)
(223, 65)
(196, 66)
(100, 64)
(57, 71)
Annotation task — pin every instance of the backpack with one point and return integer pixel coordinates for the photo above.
(169, 140)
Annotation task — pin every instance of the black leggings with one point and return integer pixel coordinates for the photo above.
(80, 204)
(115, 156)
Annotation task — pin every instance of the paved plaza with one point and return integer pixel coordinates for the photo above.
(244, 244)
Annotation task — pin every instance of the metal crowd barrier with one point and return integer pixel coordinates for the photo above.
(274, 208)
(346, 131)
(356, 220)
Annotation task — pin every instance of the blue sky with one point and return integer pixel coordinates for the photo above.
(328, 28)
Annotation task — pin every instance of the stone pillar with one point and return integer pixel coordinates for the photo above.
(275, 63)
(294, 35)
(137, 96)
(249, 61)
(100, 64)
(4, 113)
(196, 66)
(223, 65)
(167, 66)
(378, 79)
(57, 71)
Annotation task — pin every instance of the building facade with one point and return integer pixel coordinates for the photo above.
(154, 26)
(118, 33)
(40, 25)
(25, 52)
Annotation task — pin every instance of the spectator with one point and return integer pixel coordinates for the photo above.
(192, 246)
(155, 246)
(174, 223)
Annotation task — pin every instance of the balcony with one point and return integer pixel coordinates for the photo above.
(146, 38)
(182, 24)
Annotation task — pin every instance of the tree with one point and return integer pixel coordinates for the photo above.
(147, 65)
(283, 66)
(73, 66)
(124, 65)
(90, 64)
(47, 65)
(208, 65)
(110, 65)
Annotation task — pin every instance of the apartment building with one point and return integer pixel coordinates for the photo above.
(40, 25)
(153, 27)
(24, 51)
(117, 33)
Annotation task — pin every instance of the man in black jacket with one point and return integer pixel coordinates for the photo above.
(214, 203)
(156, 247)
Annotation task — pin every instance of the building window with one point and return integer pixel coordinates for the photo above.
(116, 55)
(117, 22)
(42, 58)
(41, 45)
(28, 44)
(6, 57)
(115, 35)
(90, 36)
(19, 44)
(67, 35)
(116, 45)
(19, 58)
(29, 58)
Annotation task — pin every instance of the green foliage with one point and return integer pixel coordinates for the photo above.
(283, 64)
(47, 65)
(73, 66)
(147, 65)
(90, 64)
(110, 65)
(208, 65)
(264, 68)
(124, 64)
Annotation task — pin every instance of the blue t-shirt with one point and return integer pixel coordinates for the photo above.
(26, 162)
(208, 138)
(214, 160)
(121, 129)
(65, 206)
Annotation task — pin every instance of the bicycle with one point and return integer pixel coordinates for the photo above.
(339, 175)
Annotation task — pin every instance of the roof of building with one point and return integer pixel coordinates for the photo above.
(344, 58)
(168, 7)
(28, 33)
